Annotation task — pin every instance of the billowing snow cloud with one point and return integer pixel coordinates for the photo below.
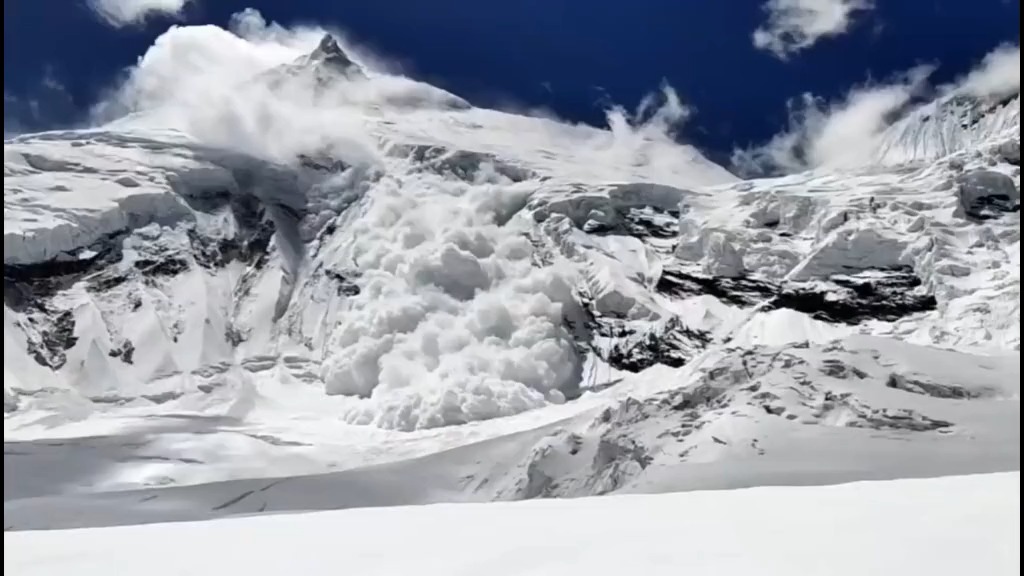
(209, 82)
(455, 321)
(847, 132)
(659, 115)
(838, 134)
(794, 25)
(204, 80)
(125, 12)
(997, 76)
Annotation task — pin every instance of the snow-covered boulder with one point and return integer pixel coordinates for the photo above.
(986, 194)
(1010, 151)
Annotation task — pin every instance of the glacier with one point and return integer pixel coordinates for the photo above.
(291, 280)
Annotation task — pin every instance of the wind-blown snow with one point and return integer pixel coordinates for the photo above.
(190, 80)
(887, 123)
(946, 526)
(998, 75)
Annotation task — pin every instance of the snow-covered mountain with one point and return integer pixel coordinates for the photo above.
(364, 285)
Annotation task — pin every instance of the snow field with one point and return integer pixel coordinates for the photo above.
(937, 527)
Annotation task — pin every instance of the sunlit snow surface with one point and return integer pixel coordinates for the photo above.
(274, 288)
(943, 526)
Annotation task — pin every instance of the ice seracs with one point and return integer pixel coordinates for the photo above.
(954, 123)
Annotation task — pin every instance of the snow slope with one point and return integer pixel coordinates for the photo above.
(288, 280)
(866, 408)
(955, 525)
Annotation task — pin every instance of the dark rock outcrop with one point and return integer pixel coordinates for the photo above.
(848, 299)
(671, 343)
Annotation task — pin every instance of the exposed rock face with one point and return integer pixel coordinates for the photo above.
(670, 343)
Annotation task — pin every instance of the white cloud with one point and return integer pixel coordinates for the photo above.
(997, 76)
(835, 135)
(794, 25)
(125, 12)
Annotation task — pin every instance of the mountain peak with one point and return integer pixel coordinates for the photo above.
(330, 53)
(329, 45)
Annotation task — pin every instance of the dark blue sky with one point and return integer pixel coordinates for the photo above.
(571, 56)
